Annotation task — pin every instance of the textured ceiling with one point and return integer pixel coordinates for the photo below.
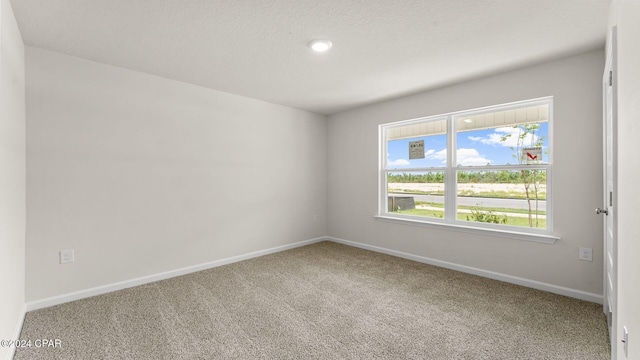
(257, 48)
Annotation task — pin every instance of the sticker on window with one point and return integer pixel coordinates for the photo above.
(416, 149)
(531, 155)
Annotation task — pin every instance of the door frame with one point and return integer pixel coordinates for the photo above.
(610, 258)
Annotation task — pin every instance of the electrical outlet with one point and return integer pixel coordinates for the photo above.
(315, 218)
(585, 254)
(66, 256)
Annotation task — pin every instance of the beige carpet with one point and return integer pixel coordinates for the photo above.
(323, 301)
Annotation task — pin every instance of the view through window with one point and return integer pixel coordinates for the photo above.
(486, 168)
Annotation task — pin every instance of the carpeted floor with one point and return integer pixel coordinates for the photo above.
(322, 301)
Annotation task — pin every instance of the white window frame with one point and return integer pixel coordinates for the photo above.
(450, 220)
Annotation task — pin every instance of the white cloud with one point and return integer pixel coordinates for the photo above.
(399, 162)
(511, 139)
(466, 157)
(436, 155)
(471, 157)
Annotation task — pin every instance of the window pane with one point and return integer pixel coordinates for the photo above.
(514, 198)
(417, 145)
(416, 193)
(503, 137)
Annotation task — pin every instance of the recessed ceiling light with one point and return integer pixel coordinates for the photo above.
(320, 45)
(468, 121)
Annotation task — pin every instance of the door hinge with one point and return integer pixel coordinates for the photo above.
(610, 198)
(610, 78)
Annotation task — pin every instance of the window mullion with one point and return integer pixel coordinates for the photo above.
(450, 175)
(382, 195)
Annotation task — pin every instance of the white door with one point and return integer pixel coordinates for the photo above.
(610, 198)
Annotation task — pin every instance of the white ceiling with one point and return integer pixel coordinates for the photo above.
(258, 48)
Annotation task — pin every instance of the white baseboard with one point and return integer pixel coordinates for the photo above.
(16, 332)
(578, 294)
(99, 290)
(77, 295)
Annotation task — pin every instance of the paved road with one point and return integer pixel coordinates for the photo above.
(489, 202)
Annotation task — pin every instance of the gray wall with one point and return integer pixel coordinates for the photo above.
(12, 176)
(575, 83)
(142, 175)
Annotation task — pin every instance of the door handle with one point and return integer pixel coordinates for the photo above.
(602, 211)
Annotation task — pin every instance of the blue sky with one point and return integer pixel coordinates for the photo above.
(475, 148)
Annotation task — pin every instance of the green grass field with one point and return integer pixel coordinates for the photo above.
(468, 193)
(511, 220)
(484, 208)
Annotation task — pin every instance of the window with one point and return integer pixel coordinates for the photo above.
(486, 168)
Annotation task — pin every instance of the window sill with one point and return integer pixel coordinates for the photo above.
(540, 238)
